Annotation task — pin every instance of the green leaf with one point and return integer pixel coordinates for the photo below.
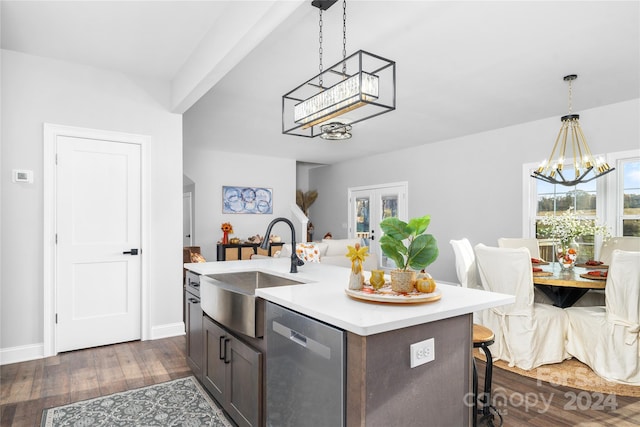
(395, 228)
(422, 252)
(394, 249)
(419, 225)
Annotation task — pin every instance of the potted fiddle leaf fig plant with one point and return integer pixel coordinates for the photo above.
(419, 251)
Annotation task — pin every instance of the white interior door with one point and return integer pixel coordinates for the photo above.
(98, 220)
(187, 226)
(370, 205)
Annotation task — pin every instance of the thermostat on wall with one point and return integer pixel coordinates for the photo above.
(21, 175)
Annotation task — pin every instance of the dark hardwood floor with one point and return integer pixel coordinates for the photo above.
(30, 387)
(524, 402)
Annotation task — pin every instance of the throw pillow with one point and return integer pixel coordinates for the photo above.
(308, 252)
(339, 246)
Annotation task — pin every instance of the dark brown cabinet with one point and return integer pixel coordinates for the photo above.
(233, 374)
(193, 324)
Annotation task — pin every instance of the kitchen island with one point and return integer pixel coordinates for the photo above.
(381, 387)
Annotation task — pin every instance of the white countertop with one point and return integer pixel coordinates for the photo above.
(323, 297)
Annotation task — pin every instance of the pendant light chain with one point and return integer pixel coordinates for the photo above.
(570, 97)
(344, 37)
(320, 49)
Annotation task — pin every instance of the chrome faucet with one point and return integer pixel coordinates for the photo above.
(295, 261)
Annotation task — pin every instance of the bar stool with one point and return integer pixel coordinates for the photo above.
(483, 337)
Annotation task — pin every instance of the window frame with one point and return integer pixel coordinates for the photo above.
(615, 207)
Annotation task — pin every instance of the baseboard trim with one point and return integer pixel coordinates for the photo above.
(21, 353)
(167, 331)
(25, 353)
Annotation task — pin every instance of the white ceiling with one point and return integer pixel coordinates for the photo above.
(462, 67)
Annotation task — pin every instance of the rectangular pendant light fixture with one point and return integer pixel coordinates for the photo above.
(357, 88)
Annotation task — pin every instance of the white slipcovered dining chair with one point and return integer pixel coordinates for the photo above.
(466, 268)
(529, 243)
(607, 338)
(625, 243)
(534, 251)
(527, 334)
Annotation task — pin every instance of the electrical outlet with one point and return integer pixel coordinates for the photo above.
(422, 352)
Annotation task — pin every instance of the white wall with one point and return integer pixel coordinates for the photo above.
(210, 170)
(471, 186)
(36, 90)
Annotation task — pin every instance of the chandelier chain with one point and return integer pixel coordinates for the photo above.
(570, 97)
(344, 37)
(320, 48)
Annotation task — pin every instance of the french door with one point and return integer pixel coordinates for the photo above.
(371, 204)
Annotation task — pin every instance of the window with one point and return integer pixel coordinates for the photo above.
(613, 200)
(630, 212)
(553, 200)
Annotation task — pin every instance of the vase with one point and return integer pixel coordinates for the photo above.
(567, 254)
(402, 281)
(225, 237)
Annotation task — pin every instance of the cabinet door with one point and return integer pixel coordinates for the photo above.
(195, 342)
(244, 385)
(231, 254)
(215, 342)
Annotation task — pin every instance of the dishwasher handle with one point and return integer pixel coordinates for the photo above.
(302, 340)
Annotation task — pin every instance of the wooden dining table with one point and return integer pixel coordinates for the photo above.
(565, 287)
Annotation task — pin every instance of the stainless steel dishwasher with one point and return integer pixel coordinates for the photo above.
(305, 371)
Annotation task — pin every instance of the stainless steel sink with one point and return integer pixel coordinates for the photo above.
(229, 299)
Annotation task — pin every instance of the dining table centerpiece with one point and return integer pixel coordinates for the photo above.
(566, 230)
(410, 248)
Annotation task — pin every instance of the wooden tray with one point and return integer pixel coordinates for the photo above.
(539, 263)
(594, 267)
(589, 276)
(385, 294)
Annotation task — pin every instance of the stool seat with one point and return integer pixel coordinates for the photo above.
(481, 334)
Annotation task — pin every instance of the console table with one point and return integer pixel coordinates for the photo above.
(230, 252)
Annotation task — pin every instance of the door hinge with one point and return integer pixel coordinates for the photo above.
(56, 238)
(56, 318)
(56, 158)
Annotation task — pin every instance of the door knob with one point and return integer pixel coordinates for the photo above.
(132, 252)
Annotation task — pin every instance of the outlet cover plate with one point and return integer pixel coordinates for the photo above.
(422, 352)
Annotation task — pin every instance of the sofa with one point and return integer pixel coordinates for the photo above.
(327, 251)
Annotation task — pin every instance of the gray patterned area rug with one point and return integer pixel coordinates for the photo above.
(181, 402)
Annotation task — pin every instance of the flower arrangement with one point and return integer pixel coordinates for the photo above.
(568, 226)
(227, 229)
